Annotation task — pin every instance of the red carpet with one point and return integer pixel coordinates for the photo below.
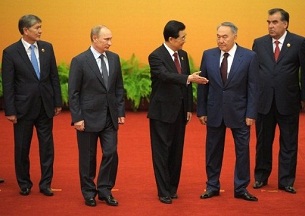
(135, 188)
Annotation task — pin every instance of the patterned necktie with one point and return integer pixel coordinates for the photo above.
(104, 70)
(277, 50)
(34, 61)
(224, 67)
(177, 63)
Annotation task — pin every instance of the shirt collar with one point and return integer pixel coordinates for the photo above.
(281, 39)
(96, 54)
(27, 45)
(231, 51)
(171, 52)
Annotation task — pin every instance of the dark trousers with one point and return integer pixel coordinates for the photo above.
(265, 132)
(167, 141)
(215, 142)
(23, 132)
(87, 146)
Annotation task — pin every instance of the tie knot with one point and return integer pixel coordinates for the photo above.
(32, 46)
(175, 55)
(225, 55)
(102, 56)
(276, 42)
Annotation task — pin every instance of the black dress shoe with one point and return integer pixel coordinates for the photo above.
(209, 194)
(166, 200)
(47, 192)
(25, 191)
(1, 180)
(259, 184)
(288, 189)
(109, 200)
(174, 196)
(90, 202)
(246, 196)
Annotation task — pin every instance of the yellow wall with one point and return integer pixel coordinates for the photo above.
(137, 25)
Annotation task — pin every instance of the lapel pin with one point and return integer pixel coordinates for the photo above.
(182, 58)
(42, 50)
(288, 45)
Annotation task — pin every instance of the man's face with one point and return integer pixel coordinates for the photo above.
(177, 43)
(102, 42)
(33, 33)
(276, 26)
(225, 38)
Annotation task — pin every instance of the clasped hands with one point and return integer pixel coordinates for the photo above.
(196, 78)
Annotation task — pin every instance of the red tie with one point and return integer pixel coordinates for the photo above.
(277, 50)
(224, 67)
(177, 63)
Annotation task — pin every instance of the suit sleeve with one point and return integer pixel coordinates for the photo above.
(8, 76)
(160, 71)
(74, 88)
(119, 90)
(302, 69)
(252, 92)
(55, 80)
(202, 91)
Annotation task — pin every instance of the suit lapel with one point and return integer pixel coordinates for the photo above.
(216, 59)
(42, 58)
(235, 64)
(269, 47)
(285, 46)
(182, 59)
(111, 68)
(22, 52)
(168, 59)
(93, 65)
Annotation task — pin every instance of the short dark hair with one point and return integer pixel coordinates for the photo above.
(27, 21)
(284, 14)
(172, 29)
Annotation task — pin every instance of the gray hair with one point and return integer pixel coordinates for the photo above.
(27, 21)
(233, 27)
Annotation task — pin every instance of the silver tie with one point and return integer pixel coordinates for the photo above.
(104, 70)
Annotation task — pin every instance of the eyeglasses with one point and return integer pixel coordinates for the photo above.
(181, 38)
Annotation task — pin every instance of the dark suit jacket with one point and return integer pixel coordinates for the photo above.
(281, 78)
(235, 100)
(88, 96)
(22, 89)
(169, 89)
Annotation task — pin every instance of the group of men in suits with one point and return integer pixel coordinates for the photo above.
(236, 87)
(241, 87)
(32, 97)
(266, 85)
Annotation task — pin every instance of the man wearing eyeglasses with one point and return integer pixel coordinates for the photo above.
(170, 108)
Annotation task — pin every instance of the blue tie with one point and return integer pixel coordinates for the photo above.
(34, 61)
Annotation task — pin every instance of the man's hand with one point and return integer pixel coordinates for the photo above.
(189, 116)
(80, 125)
(121, 120)
(249, 121)
(12, 119)
(203, 119)
(57, 110)
(196, 78)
